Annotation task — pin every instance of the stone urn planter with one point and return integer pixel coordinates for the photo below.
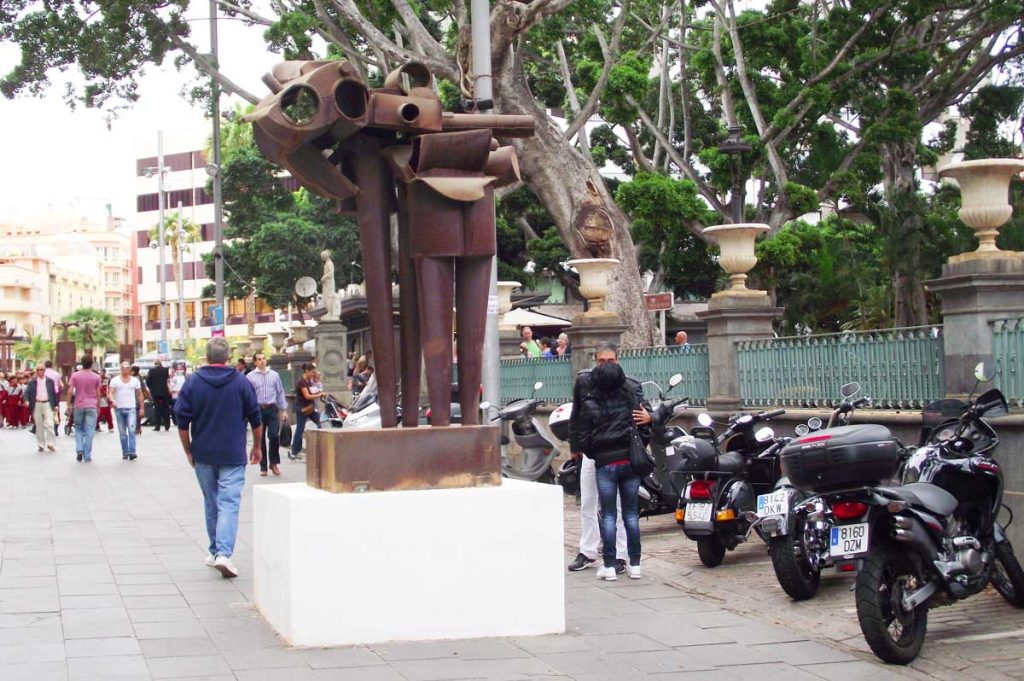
(594, 274)
(984, 191)
(256, 343)
(300, 334)
(505, 289)
(240, 349)
(278, 339)
(736, 243)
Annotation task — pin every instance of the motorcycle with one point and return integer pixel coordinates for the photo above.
(934, 539)
(797, 531)
(364, 412)
(538, 443)
(334, 412)
(717, 504)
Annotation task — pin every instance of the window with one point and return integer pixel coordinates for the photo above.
(236, 308)
(153, 313)
(207, 304)
(262, 307)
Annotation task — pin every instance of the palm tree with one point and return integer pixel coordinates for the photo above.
(36, 349)
(188, 233)
(93, 328)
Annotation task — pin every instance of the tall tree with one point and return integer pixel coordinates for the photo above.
(37, 348)
(95, 329)
(181, 232)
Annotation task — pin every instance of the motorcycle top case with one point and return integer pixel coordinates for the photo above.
(695, 454)
(847, 456)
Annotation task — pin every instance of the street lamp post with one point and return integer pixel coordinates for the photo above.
(182, 320)
(214, 170)
(733, 146)
(159, 170)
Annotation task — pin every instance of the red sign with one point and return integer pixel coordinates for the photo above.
(655, 302)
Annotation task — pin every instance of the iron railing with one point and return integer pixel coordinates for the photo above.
(897, 368)
(1008, 355)
(518, 376)
(660, 363)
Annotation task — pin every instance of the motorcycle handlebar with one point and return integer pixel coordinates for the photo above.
(982, 408)
(764, 416)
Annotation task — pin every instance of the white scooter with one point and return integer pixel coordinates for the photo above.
(539, 445)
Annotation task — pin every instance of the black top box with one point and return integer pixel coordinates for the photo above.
(847, 456)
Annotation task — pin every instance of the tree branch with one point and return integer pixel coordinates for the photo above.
(723, 84)
(204, 65)
(637, 150)
(574, 102)
(340, 38)
(419, 36)
(610, 52)
(245, 12)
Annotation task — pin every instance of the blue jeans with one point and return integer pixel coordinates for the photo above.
(126, 429)
(300, 427)
(222, 495)
(85, 428)
(622, 481)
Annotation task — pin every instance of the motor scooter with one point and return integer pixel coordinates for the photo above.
(539, 445)
(364, 413)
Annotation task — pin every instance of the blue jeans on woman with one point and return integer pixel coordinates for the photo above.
(619, 479)
(222, 495)
(126, 429)
(300, 427)
(85, 428)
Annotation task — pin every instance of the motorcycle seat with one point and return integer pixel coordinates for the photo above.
(925, 495)
(730, 462)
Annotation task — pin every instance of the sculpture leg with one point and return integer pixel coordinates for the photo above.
(473, 276)
(409, 305)
(373, 203)
(436, 279)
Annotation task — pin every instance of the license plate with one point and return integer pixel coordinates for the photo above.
(847, 540)
(776, 503)
(698, 513)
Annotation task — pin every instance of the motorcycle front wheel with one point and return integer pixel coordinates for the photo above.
(711, 550)
(792, 565)
(1007, 575)
(894, 634)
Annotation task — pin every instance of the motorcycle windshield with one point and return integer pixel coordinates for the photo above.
(996, 401)
(941, 411)
(367, 397)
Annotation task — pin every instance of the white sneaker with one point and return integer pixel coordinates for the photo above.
(607, 574)
(226, 567)
(210, 560)
(634, 571)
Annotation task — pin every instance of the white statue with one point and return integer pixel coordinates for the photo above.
(329, 296)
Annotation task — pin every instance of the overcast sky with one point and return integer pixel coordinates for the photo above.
(55, 159)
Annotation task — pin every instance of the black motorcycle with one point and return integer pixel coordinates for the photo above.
(716, 508)
(933, 540)
(659, 491)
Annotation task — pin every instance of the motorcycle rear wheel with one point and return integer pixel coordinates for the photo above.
(711, 550)
(895, 635)
(797, 578)
(1007, 576)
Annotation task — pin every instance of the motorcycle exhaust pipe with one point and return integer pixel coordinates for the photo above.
(902, 522)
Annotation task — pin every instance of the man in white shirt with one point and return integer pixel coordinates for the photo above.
(125, 392)
(270, 395)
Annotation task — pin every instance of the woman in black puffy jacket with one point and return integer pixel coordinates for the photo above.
(607, 405)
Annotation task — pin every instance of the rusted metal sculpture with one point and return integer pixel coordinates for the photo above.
(393, 150)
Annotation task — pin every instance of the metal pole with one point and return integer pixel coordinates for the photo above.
(218, 222)
(182, 319)
(480, 15)
(163, 262)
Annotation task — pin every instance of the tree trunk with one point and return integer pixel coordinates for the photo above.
(899, 161)
(564, 180)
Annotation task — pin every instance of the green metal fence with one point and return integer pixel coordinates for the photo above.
(660, 363)
(519, 375)
(898, 368)
(1008, 353)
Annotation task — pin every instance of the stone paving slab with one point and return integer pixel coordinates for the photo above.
(101, 577)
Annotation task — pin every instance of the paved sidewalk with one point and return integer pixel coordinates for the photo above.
(101, 577)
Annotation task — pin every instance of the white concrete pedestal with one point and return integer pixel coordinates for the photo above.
(344, 569)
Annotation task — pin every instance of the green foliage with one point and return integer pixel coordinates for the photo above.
(800, 198)
(37, 348)
(96, 329)
(629, 77)
(989, 108)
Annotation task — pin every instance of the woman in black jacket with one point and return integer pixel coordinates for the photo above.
(607, 406)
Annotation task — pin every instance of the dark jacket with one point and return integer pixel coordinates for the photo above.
(601, 422)
(30, 392)
(215, 403)
(156, 381)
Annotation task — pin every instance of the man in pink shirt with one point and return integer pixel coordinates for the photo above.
(85, 386)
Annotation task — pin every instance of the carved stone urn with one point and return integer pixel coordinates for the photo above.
(278, 339)
(736, 246)
(594, 274)
(985, 206)
(300, 334)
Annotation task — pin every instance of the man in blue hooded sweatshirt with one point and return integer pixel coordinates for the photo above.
(211, 412)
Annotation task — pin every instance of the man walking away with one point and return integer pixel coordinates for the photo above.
(41, 394)
(270, 395)
(211, 412)
(125, 391)
(87, 387)
(157, 380)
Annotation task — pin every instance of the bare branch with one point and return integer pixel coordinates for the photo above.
(723, 84)
(340, 38)
(636, 149)
(610, 53)
(684, 82)
(574, 102)
(245, 12)
(419, 36)
(204, 65)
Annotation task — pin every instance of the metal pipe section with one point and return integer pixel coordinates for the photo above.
(480, 19)
(218, 219)
(160, 230)
(182, 320)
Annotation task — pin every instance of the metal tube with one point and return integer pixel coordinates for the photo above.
(218, 221)
(163, 262)
(480, 18)
(182, 320)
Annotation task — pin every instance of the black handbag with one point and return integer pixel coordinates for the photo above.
(285, 436)
(640, 460)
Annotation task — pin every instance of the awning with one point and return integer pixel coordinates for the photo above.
(524, 317)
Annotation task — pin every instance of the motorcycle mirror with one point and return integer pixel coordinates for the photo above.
(982, 374)
(484, 406)
(538, 385)
(705, 419)
(764, 434)
(814, 423)
(801, 429)
(675, 380)
(850, 389)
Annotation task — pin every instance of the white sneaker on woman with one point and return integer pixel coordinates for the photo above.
(634, 571)
(607, 574)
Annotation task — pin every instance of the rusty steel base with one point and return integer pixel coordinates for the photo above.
(437, 457)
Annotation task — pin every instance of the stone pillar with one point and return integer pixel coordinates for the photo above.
(975, 291)
(587, 331)
(331, 358)
(508, 343)
(733, 316)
